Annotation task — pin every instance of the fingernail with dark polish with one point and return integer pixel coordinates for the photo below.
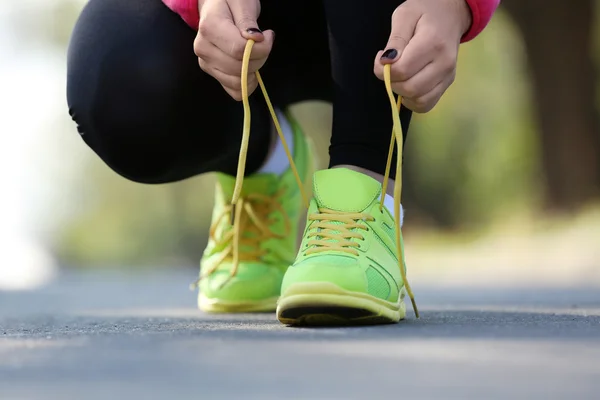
(253, 30)
(389, 54)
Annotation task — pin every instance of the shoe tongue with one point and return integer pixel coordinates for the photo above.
(259, 183)
(342, 189)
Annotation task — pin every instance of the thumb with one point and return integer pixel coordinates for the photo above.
(404, 23)
(245, 15)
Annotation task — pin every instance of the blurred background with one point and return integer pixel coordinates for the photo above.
(502, 179)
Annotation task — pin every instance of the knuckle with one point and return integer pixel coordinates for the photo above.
(408, 90)
(452, 76)
(402, 12)
(423, 106)
(447, 68)
(234, 84)
(204, 28)
(428, 108)
(448, 64)
(198, 45)
(419, 108)
(438, 44)
(409, 11)
(203, 64)
(200, 49)
(397, 38)
(236, 95)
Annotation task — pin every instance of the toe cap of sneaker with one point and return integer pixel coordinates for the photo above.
(263, 282)
(342, 271)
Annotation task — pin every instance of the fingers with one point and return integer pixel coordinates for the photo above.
(226, 36)
(422, 51)
(229, 27)
(224, 30)
(245, 15)
(416, 56)
(404, 22)
(426, 102)
(426, 69)
(423, 91)
(212, 55)
(231, 83)
(414, 59)
(217, 27)
(421, 83)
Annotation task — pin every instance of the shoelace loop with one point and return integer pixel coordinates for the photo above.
(239, 181)
(345, 219)
(241, 242)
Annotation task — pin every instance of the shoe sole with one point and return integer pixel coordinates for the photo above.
(218, 306)
(326, 304)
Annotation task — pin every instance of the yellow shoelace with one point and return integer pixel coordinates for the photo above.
(334, 230)
(250, 229)
(344, 222)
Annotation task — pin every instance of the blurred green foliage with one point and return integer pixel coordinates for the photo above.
(474, 156)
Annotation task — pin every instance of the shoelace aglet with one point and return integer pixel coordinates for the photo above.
(412, 300)
(232, 220)
(225, 282)
(414, 304)
(194, 285)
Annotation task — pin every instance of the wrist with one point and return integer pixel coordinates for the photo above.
(464, 15)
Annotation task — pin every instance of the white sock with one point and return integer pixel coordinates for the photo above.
(388, 202)
(278, 162)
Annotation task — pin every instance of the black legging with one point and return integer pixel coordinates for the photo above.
(143, 104)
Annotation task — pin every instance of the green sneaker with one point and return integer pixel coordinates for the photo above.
(347, 269)
(265, 239)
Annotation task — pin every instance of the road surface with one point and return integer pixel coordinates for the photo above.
(118, 336)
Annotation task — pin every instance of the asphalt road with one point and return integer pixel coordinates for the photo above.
(110, 336)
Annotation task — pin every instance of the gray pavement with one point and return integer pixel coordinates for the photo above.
(118, 336)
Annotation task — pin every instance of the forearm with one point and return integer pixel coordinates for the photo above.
(481, 12)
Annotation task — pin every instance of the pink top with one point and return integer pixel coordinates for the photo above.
(187, 9)
(482, 11)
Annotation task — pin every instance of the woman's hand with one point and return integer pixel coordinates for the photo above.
(225, 27)
(423, 49)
